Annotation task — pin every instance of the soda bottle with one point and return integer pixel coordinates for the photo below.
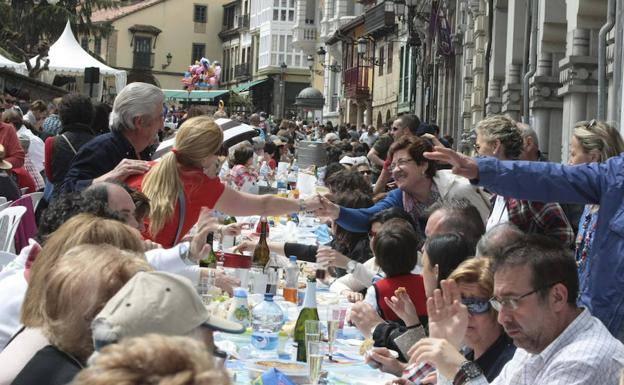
(292, 278)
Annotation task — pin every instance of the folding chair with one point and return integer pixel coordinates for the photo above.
(10, 219)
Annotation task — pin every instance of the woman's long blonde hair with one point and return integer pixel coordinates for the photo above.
(78, 230)
(78, 287)
(197, 139)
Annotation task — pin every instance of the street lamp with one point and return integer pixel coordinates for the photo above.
(282, 110)
(334, 67)
(168, 59)
(362, 46)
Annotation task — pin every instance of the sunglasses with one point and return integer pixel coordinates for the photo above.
(477, 305)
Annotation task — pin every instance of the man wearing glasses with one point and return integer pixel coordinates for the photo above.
(535, 291)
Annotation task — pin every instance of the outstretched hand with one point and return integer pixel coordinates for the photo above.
(448, 317)
(323, 207)
(401, 304)
(462, 165)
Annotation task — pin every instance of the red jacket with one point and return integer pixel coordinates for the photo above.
(413, 284)
(13, 151)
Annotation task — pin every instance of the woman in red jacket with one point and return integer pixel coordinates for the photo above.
(188, 175)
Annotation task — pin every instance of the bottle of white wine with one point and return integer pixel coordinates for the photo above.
(308, 312)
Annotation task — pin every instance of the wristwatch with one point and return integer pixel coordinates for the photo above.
(468, 370)
(351, 265)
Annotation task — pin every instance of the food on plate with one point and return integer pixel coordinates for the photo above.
(366, 346)
(290, 366)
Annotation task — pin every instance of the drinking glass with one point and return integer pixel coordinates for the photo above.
(206, 283)
(315, 361)
(333, 325)
(312, 332)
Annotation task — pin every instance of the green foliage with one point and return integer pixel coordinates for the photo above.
(240, 102)
(27, 27)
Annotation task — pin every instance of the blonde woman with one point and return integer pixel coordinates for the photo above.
(154, 359)
(593, 141)
(77, 288)
(80, 229)
(188, 174)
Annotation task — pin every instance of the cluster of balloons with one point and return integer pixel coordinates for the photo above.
(202, 75)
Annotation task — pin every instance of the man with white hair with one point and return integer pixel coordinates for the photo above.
(136, 118)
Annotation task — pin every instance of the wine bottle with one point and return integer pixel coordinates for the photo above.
(308, 312)
(211, 259)
(262, 253)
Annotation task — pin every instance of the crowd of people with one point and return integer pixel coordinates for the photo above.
(498, 267)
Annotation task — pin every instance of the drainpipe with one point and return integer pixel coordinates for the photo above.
(532, 60)
(602, 60)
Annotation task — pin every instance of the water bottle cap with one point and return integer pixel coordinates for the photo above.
(268, 297)
(240, 292)
(293, 258)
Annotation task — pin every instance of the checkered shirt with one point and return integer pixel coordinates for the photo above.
(585, 353)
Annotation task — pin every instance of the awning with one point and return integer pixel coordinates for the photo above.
(246, 86)
(204, 96)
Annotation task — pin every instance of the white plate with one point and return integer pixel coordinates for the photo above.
(299, 377)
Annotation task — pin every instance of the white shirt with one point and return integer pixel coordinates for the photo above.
(368, 139)
(500, 214)
(585, 353)
(36, 148)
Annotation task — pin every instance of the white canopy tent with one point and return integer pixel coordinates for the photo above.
(67, 57)
(17, 67)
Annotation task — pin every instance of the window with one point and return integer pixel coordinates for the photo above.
(97, 46)
(198, 52)
(275, 15)
(390, 53)
(142, 52)
(84, 43)
(381, 60)
(291, 15)
(200, 14)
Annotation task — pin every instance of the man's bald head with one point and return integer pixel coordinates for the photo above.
(117, 199)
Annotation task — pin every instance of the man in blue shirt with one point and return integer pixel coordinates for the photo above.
(134, 122)
(595, 183)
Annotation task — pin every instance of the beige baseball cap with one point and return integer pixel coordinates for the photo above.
(156, 302)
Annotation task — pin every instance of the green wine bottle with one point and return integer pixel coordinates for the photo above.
(211, 259)
(308, 312)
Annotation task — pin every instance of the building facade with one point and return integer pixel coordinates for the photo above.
(157, 40)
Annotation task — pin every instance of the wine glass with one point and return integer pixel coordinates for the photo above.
(333, 324)
(312, 333)
(315, 361)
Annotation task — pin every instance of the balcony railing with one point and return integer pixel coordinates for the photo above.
(242, 70)
(356, 82)
(143, 60)
(242, 21)
(304, 37)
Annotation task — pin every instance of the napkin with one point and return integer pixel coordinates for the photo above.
(322, 234)
(272, 377)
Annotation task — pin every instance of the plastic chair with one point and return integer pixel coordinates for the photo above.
(35, 198)
(10, 219)
(5, 205)
(6, 258)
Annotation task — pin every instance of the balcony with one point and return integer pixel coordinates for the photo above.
(242, 70)
(143, 60)
(242, 21)
(356, 82)
(304, 37)
(377, 20)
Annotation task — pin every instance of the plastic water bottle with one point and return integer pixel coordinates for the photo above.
(292, 278)
(267, 319)
(265, 170)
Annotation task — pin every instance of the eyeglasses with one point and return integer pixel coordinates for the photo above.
(400, 163)
(395, 128)
(512, 303)
(591, 123)
(477, 305)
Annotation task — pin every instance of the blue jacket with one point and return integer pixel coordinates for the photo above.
(95, 158)
(597, 183)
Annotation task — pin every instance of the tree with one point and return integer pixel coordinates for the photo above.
(28, 26)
